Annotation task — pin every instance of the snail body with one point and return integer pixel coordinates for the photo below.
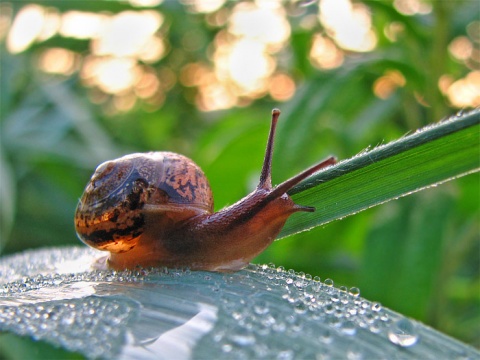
(156, 209)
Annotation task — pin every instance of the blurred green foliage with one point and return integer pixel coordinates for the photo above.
(15, 347)
(418, 255)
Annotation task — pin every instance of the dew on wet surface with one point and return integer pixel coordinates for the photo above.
(263, 312)
(61, 323)
(403, 333)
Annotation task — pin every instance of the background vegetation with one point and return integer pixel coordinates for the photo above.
(417, 63)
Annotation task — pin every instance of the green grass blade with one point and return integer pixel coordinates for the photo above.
(428, 157)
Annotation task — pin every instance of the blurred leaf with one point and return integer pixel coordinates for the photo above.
(221, 153)
(342, 101)
(53, 122)
(428, 157)
(404, 254)
(113, 6)
(301, 43)
(7, 200)
(14, 347)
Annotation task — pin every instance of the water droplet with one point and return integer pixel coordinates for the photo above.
(296, 325)
(344, 298)
(328, 282)
(300, 283)
(352, 311)
(226, 348)
(300, 308)
(354, 291)
(260, 307)
(329, 308)
(354, 352)
(369, 317)
(218, 336)
(376, 306)
(403, 333)
(374, 328)
(68, 319)
(348, 328)
(333, 321)
(384, 317)
(237, 315)
(279, 326)
(285, 355)
(243, 337)
(339, 312)
(326, 336)
(310, 290)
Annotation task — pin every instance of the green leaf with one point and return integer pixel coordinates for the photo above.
(15, 347)
(7, 199)
(430, 156)
(258, 312)
(405, 251)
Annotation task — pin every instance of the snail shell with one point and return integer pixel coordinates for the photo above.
(111, 213)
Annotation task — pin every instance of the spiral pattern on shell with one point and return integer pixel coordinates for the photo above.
(111, 212)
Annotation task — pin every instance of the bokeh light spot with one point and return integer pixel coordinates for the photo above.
(193, 74)
(82, 25)
(266, 25)
(112, 75)
(386, 85)
(461, 48)
(203, 6)
(215, 96)
(128, 33)
(147, 85)
(26, 27)
(324, 54)
(465, 92)
(281, 87)
(412, 7)
(145, 3)
(247, 64)
(393, 30)
(124, 102)
(349, 25)
(57, 61)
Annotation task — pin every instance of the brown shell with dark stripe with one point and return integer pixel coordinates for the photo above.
(111, 213)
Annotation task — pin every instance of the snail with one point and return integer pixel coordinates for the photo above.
(156, 209)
